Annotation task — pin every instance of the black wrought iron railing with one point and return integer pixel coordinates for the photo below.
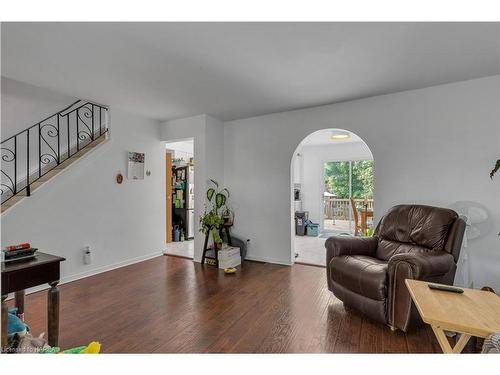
(30, 154)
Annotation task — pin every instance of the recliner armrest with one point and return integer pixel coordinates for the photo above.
(337, 246)
(418, 266)
(423, 265)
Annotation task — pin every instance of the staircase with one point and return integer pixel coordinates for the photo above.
(37, 154)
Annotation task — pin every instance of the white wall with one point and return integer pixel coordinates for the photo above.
(313, 159)
(432, 146)
(298, 167)
(208, 135)
(214, 149)
(85, 206)
(24, 105)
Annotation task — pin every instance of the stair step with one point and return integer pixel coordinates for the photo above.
(67, 162)
(22, 193)
(99, 140)
(12, 201)
(47, 176)
(35, 185)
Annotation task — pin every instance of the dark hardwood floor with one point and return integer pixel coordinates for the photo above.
(172, 305)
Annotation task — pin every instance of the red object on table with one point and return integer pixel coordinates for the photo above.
(17, 247)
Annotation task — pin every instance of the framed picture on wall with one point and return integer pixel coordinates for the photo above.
(135, 166)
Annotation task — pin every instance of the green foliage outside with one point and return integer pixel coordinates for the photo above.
(337, 179)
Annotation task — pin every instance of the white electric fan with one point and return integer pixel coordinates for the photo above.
(478, 225)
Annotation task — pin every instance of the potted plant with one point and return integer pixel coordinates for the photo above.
(211, 222)
(215, 209)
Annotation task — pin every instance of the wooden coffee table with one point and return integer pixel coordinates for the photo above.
(472, 313)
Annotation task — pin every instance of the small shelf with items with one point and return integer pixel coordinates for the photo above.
(182, 202)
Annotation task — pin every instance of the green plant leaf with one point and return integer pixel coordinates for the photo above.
(220, 200)
(210, 194)
(209, 221)
(225, 190)
(216, 236)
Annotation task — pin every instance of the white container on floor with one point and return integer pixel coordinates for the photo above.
(229, 257)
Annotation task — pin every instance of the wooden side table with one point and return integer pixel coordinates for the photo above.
(20, 275)
(472, 313)
(223, 227)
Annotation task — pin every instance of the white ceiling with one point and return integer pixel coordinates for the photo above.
(236, 70)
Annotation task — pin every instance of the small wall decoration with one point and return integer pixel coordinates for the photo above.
(119, 178)
(135, 166)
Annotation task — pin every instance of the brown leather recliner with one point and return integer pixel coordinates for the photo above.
(410, 242)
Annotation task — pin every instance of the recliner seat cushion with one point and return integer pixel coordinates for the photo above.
(360, 274)
(413, 228)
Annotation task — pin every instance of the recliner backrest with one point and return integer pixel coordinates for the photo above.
(414, 228)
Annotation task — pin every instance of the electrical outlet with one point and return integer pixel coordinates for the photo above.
(87, 255)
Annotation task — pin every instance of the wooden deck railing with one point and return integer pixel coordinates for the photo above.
(339, 208)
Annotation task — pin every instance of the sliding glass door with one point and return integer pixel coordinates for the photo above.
(343, 181)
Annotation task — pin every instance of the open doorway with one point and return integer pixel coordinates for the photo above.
(347, 197)
(332, 192)
(179, 231)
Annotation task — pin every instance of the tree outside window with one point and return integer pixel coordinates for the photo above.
(337, 178)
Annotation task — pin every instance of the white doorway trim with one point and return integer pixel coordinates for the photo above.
(321, 190)
(183, 249)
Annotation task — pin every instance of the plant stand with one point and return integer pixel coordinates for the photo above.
(206, 249)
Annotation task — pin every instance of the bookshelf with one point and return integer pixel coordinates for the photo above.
(183, 200)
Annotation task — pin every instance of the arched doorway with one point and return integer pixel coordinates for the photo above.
(332, 181)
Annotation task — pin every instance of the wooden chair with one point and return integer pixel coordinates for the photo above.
(355, 216)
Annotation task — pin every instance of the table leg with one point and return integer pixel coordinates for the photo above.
(19, 297)
(53, 314)
(445, 344)
(462, 341)
(205, 245)
(5, 311)
(229, 239)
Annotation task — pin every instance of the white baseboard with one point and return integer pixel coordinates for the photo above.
(268, 260)
(95, 271)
